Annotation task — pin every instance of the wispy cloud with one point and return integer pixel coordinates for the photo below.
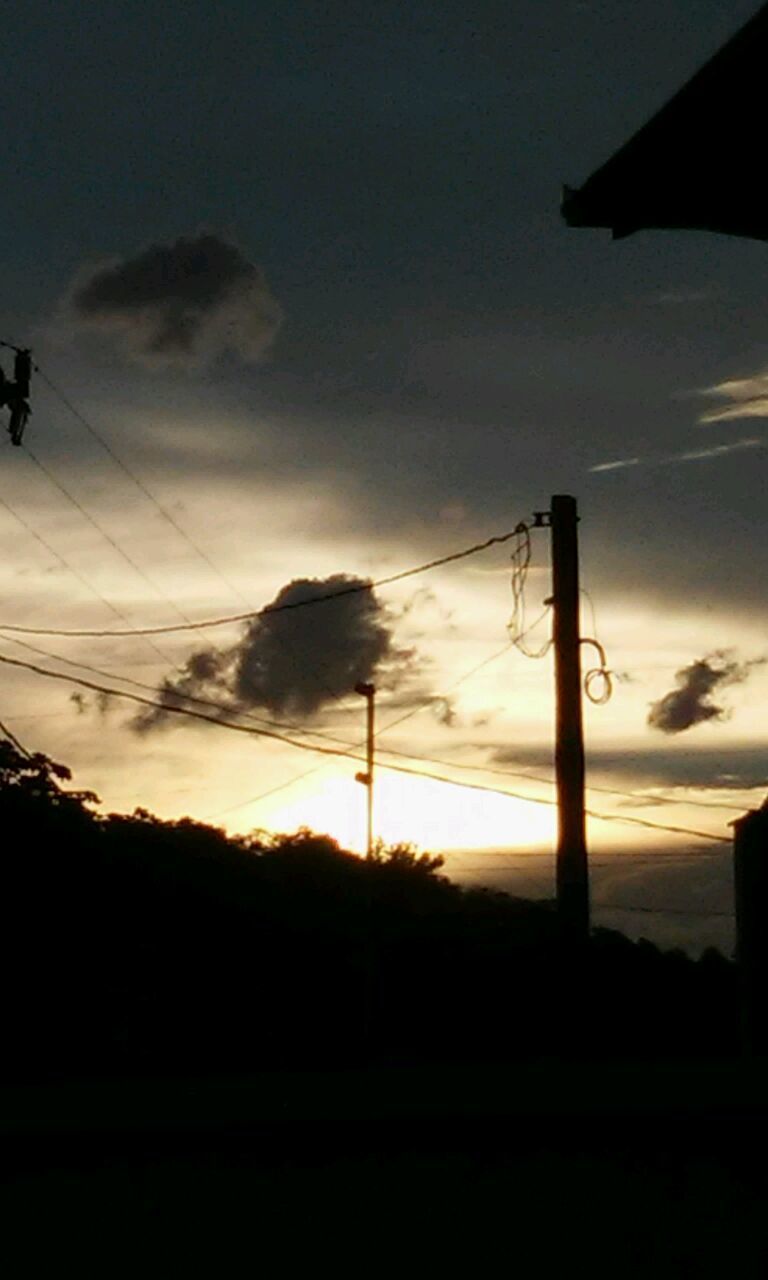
(688, 455)
(743, 767)
(617, 465)
(681, 297)
(717, 450)
(742, 398)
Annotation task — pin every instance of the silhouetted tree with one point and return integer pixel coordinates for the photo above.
(134, 943)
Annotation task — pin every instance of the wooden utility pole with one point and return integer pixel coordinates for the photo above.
(572, 866)
(368, 691)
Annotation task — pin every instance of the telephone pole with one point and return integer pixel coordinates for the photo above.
(572, 865)
(368, 691)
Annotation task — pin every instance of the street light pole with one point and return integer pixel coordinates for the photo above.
(368, 691)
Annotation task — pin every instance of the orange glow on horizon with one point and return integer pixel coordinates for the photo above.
(419, 811)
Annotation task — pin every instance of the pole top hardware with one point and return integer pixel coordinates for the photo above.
(542, 519)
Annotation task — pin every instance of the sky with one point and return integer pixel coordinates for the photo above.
(304, 272)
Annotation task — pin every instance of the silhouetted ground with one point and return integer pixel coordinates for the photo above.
(647, 1171)
(247, 1046)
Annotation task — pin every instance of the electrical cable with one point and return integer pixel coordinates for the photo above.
(601, 673)
(429, 702)
(171, 520)
(664, 911)
(334, 751)
(53, 480)
(231, 619)
(109, 539)
(184, 697)
(113, 608)
(263, 795)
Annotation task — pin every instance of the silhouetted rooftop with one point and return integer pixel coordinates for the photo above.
(695, 164)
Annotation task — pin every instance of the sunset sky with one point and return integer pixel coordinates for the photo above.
(400, 351)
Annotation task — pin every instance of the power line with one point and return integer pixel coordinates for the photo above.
(171, 520)
(136, 480)
(124, 555)
(548, 780)
(521, 528)
(185, 697)
(295, 728)
(171, 710)
(232, 710)
(656, 826)
(231, 619)
(681, 912)
(108, 538)
(665, 911)
(348, 748)
(271, 791)
(521, 562)
(106, 535)
(147, 633)
(113, 608)
(432, 699)
(263, 795)
(521, 559)
(337, 752)
(665, 859)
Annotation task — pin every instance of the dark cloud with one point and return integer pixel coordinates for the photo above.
(180, 303)
(297, 662)
(741, 767)
(691, 702)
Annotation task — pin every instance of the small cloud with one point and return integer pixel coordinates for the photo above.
(617, 465)
(691, 702)
(181, 303)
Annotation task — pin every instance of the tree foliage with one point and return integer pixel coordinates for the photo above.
(132, 943)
